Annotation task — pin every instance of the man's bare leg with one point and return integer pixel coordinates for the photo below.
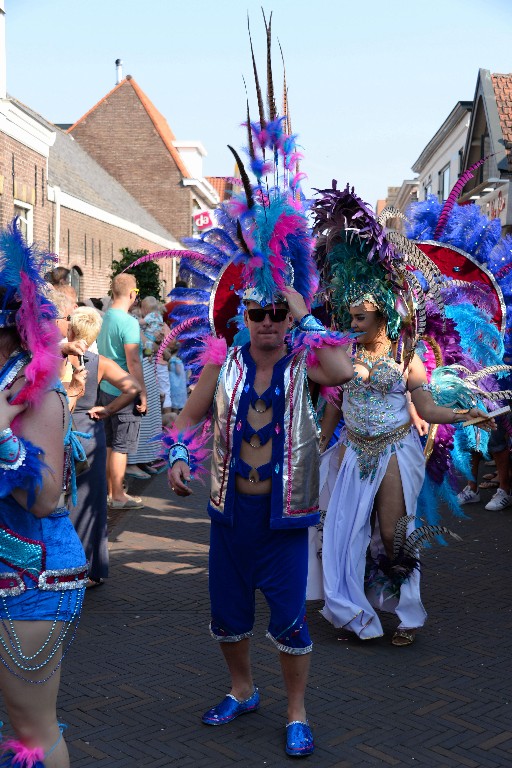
(295, 669)
(238, 659)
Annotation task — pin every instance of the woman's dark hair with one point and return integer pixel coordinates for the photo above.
(57, 276)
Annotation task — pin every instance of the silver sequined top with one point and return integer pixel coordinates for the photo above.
(378, 403)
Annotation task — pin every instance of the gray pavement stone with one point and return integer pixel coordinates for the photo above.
(143, 667)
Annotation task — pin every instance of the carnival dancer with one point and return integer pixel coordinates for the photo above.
(371, 480)
(257, 266)
(263, 496)
(43, 567)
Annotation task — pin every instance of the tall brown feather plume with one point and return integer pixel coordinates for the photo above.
(249, 134)
(240, 236)
(256, 81)
(287, 123)
(245, 178)
(270, 82)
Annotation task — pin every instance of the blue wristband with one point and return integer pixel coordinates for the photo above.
(309, 323)
(178, 452)
(12, 450)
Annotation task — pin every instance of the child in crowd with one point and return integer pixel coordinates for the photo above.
(178, 380)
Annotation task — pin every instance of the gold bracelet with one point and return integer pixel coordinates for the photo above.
(76, 394)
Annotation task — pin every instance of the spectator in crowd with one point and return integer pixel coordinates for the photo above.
(140, 461)
(177, 380)
(58, 277)
(89, 514)
(119, 340)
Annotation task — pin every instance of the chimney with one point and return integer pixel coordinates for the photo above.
(3, 56)
(119, 67)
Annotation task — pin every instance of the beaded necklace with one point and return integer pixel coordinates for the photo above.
(370, 358)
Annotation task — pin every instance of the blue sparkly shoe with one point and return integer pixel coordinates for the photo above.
(229, 708)
(299, 739)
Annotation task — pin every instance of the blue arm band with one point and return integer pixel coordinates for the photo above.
(310, 324)
(178, 452)
(12, 450)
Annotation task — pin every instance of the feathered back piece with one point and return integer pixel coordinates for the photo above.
(463, 351)
(22, 283)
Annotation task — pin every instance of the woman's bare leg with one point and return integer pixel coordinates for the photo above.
(390, 504)
(32, 709)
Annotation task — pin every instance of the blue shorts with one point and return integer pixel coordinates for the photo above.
(250, 556)
(55, 536)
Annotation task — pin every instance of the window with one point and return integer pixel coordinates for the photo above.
(76, 280)
(461, 161)
(444, 183)
(427, 189)
(25, 215)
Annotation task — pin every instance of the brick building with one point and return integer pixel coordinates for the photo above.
(132, 141)
(68, 204)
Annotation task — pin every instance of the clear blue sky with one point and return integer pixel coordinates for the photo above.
(370, 82)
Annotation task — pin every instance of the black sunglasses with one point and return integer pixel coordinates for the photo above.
(257, 314)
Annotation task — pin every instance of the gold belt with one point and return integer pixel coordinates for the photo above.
(369, 448)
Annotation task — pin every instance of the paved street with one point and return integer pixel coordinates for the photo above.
(143, 667)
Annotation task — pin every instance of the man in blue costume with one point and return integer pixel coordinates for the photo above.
(264, 494)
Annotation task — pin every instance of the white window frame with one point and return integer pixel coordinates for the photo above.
(26, 220)
(444, 183)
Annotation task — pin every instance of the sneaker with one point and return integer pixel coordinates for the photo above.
(500, 500)
(130, 502)
(468, 496)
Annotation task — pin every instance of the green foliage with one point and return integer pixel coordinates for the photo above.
(147, 274)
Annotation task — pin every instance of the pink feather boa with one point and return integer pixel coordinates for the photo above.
(23, 756)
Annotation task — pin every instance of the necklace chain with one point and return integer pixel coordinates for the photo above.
(373, 356)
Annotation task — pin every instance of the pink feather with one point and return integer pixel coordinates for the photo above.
(294, 183)
(214, 351)
(24, 756)
(196, 439)
(174, 254)
(331, 395)
(173, 335)
(42, 337)
(237, 207)
(429, 360)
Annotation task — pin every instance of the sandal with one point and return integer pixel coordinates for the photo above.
(403, 637)
(91, 583)
(486, 484)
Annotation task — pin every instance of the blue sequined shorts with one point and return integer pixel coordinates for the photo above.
(251, 556)
(43, 570)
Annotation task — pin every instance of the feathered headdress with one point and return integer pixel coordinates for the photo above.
(262, 242)
(360, 261)
(24, 304)
(272, 228)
